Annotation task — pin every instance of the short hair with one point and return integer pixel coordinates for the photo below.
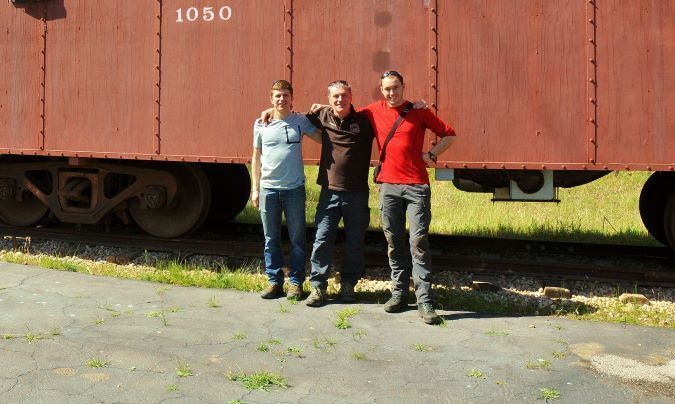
(282, 85)
(339, 84)
(392, 73)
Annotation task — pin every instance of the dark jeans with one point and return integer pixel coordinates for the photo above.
(414, 201)
(290, 202)
(352, 207)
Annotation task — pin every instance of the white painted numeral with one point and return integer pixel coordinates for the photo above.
(207, 14)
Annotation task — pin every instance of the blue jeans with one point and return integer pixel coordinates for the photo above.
(413, 201)
(290, 202)
(352, 208)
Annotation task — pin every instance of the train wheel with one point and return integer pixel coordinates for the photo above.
(653, 200)
(185, 213)
(669, 221)
(26, 212)
(231, 188)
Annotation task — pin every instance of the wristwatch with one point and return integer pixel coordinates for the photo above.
(432, 156)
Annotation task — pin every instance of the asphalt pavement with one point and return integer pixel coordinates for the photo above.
(73, 338)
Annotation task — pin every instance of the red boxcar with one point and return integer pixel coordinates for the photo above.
(146, 107)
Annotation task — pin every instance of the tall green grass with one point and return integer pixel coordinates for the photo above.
(604, 211)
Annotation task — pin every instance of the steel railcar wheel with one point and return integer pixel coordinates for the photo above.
(27, 212)
(669, 221)
(653, 199)
(230, 188)
(185, 213)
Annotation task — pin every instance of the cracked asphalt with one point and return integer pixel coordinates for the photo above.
(55, 327)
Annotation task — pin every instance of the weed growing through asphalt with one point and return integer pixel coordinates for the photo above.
(235, 402)
(262, 347)
(55, 331)
(539, 364)
(557, 327)
(183, 370)
(172, 387)
(559, 354)
(7, 336)
(239, 336)
(358, 355)
(443, 323)
(476, 373)
(163, 319)
(342, 323)
(31, 337)
(263, 380)
(323, 344)
(548, 393)
(174, 309)
(358, 335)
(97, 363)
(274, 341)
(283, 308)
(562, 341)
(213, 302)
(161, 290)
(132, 369)
(154, 314)
(294, 350)
(421, 348)
(99, 321)
(495, 333)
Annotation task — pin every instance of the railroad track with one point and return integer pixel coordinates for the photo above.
(488, 257)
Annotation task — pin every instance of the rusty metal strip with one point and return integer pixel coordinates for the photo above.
(592, 82)
(43, 79)
(433, 52)
(288, 35)
(157, 93)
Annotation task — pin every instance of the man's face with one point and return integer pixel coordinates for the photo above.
(340, 99)
(392, 90)
(282, 100)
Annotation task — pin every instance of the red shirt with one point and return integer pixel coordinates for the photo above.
(403, 162)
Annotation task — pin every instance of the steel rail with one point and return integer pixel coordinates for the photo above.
(637, 265)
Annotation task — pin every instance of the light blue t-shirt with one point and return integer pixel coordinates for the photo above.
(281, 144)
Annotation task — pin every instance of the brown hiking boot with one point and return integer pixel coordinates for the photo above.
(317, 298)
(294, 292)
(272, 292)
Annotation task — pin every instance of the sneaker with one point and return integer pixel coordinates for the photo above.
(316, 298)
(396, 303)
(272, 292)
(347, 294)
(294, 292)
(428, 313)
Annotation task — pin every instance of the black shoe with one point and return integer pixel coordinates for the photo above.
(396, 303)
(428, 313)
(347, 294)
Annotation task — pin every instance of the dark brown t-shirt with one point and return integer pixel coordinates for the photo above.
(346, 146)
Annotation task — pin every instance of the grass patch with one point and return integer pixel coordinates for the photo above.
(343, 315)
(31, 337)
(359, 356)
(183, 370)
(495, 333)
(97, 363)
(259, 381)
(548, 393)
(476, 374)
(604, 211)
(262, 347)
(172, 388)
(421, 348)
(538, 364)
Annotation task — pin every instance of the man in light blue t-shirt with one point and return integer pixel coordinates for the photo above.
(279, 187)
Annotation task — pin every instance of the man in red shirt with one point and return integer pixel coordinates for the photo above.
(405, 191)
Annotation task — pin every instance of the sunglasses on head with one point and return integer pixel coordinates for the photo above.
(391, 73)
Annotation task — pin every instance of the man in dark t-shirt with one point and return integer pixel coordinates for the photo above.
(346, 143)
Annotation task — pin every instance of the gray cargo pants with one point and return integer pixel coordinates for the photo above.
(398, 201)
